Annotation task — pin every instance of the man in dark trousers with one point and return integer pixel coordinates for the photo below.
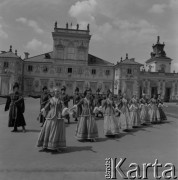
(16, 106)
(65, 98)
(97, 102)
(44, 99)
(76, 100)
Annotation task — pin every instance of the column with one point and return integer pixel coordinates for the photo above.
(173, 90)
(148, 88)
(159, 84)
(164, 88)
(137, 89)
(0, 85)
(143, 87)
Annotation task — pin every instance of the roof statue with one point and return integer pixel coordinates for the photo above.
(77, 26)
(88, 27)
(55, 24)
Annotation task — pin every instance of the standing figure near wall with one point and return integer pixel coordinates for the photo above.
(87, 127)
(111, 127)
(44, 99)
(154, 112)
(97, 102)
(160, 108)
(65, 98)
(134, 112)
(53, 134)
(16, 106)
(125, 121)
(76, 100)
(144, 115)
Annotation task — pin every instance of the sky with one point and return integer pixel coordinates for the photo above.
(117, 26)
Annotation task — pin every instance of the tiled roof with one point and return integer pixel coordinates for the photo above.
(8, 54)
(46, 57)
(93, 60)
(158, 58)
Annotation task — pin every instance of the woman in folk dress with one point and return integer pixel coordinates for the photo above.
(134, 113)
(144, 115)
(53, 134)
(125, 121)
(160, 108)
(87, 127)
(154, 112)
(110, 122)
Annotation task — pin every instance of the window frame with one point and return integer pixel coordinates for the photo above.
(28, 68)
(93, 71)
(108, 72)
(45, 67)
(69, 71)
(129, 71)
(6, 64)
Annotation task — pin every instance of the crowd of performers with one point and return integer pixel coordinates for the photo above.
(119, 114)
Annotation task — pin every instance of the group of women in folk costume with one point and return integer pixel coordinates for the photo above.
(118, 115)
(156, 112)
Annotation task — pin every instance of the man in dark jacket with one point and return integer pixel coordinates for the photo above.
(16, 106)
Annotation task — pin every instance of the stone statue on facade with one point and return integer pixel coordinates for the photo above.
(88, 27)
(77, 26)
(55, 24)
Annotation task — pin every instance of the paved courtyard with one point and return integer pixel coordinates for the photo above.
(20, 159)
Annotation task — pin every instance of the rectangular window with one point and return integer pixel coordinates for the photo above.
(30, 68)
(93, 71)
(6, 64)
(69, 70)
(129, 71)
(81, 55)
(45, 69)
(107, 72)
(60, 53)
(71, 53)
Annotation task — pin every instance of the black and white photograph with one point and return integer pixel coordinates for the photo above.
(88, 89)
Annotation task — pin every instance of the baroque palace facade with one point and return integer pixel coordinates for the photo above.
(71, 65)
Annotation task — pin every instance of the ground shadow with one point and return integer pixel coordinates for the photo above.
(73, 122)
(165, 122)
(70, 149)
(102, 139)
